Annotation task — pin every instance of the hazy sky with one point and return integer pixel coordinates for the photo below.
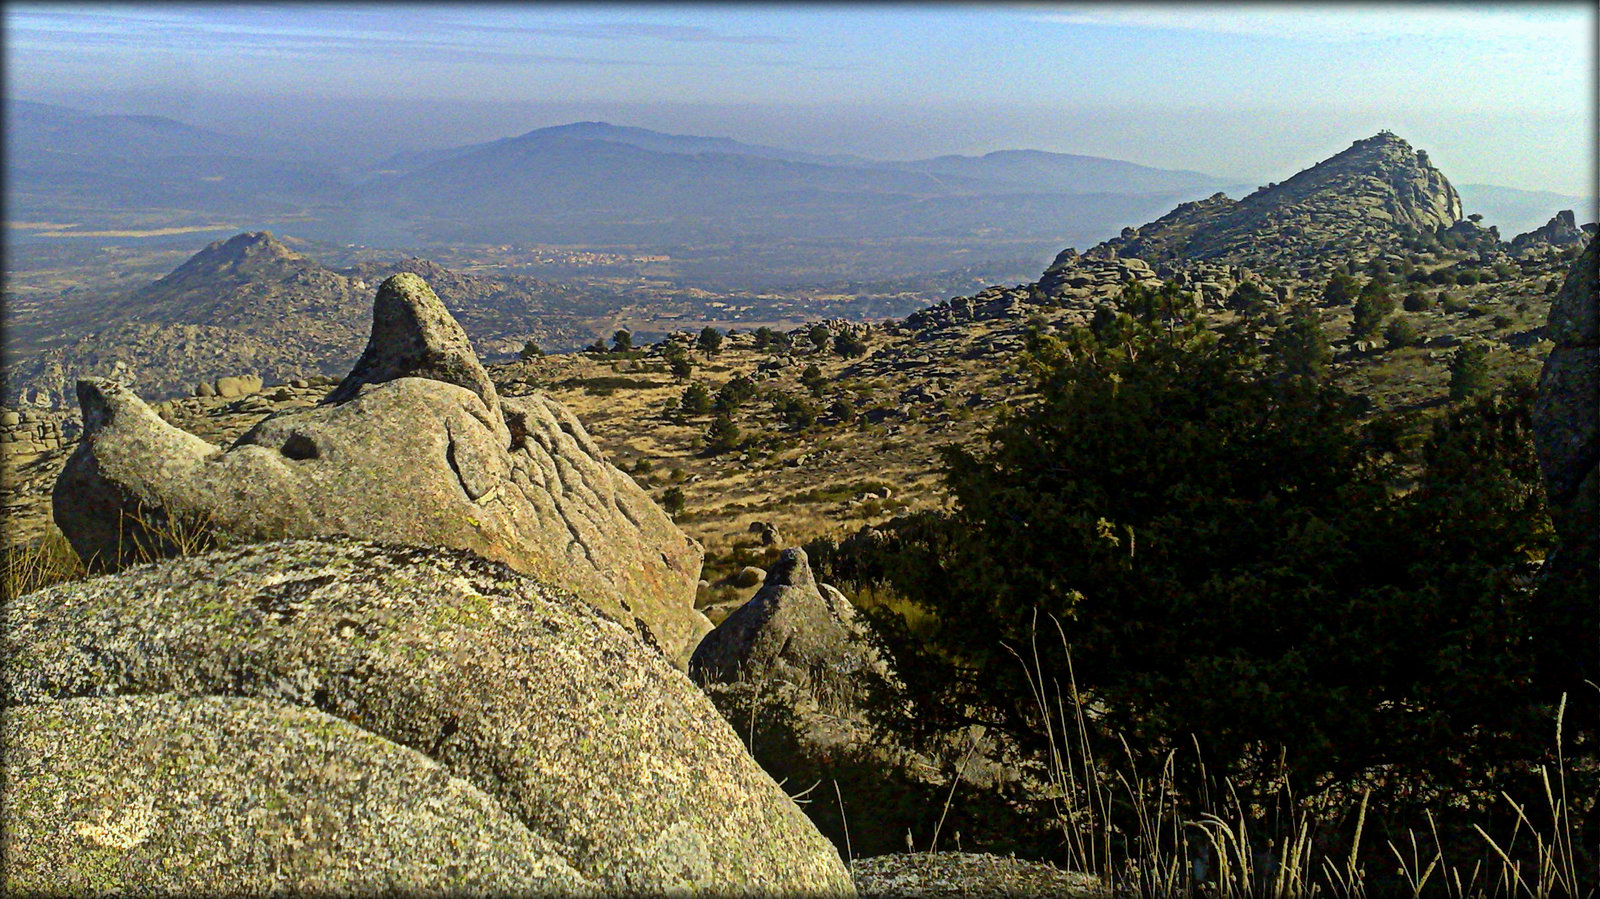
(1496, 94)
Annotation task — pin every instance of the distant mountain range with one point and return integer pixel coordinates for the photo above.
(752, 215)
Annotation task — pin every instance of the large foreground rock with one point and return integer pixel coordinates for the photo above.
(598, 747)
(218, 795)
(413, 447)
(1566, 431)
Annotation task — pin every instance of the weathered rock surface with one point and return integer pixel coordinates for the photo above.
(1566, 421)
(214, 795)
(415, 446)
(794, 670)
(789, 631)
(597, 746)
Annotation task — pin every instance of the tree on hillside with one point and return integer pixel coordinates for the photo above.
(1301, 345)
(677, 359)
(696, 399)
(733, 394)
(848, 345)
(622, 341)
(529, 351)
(723, 435)
(710, 341)
(1373, 305)
(1469, 371)
(820, 336)
(1340, 291)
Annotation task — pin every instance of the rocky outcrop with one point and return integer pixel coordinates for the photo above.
(562, 752)
(415, 446)
(1369, 196)
(27, 432)
(1562, 230)
(1566, 423)
(790, 631)
(795, 671)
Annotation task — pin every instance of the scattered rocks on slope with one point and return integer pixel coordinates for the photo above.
(415, 446)
(599, 749)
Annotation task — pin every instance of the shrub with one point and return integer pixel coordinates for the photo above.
(530, 350)
(696, 399)
(723, 435)
(819, 336)
(733, 394)
(672, 501)
(1372, 307)
(1401, 332)
(849, 345)
(1417, 301)
(622, 341)
(1340, 291)
(1469, 371)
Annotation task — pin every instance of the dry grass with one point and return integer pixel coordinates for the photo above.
(1134, 835)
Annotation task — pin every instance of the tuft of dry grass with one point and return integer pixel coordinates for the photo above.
(1133, 833)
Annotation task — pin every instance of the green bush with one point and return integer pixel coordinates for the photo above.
(696, 399)
(1469, 371)
(1235, 568)
(1401, 332)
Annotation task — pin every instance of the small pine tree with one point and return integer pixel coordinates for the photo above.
(622, 341)
(678, 360)
(820, 337)
(696, 399)
(1469, 372)
(849, 345)
(1341, 290)
(1400, 332)
(723, 435)
(530, 350)
(710, 341)
(672, 500)
(813, 380)
(1301, 345)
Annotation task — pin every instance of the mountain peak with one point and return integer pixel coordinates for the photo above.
(1369, 195)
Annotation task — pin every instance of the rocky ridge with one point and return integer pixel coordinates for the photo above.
(252, 306)
(1370, 195)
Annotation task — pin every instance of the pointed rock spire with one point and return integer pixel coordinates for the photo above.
(413, 336)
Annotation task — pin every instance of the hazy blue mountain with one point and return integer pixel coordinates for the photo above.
(1515, 211)
(563, 185)
(63, 161)
(642, 138)
(1036, 170)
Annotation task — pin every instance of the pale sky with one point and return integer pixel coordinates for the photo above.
(1500, 94)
